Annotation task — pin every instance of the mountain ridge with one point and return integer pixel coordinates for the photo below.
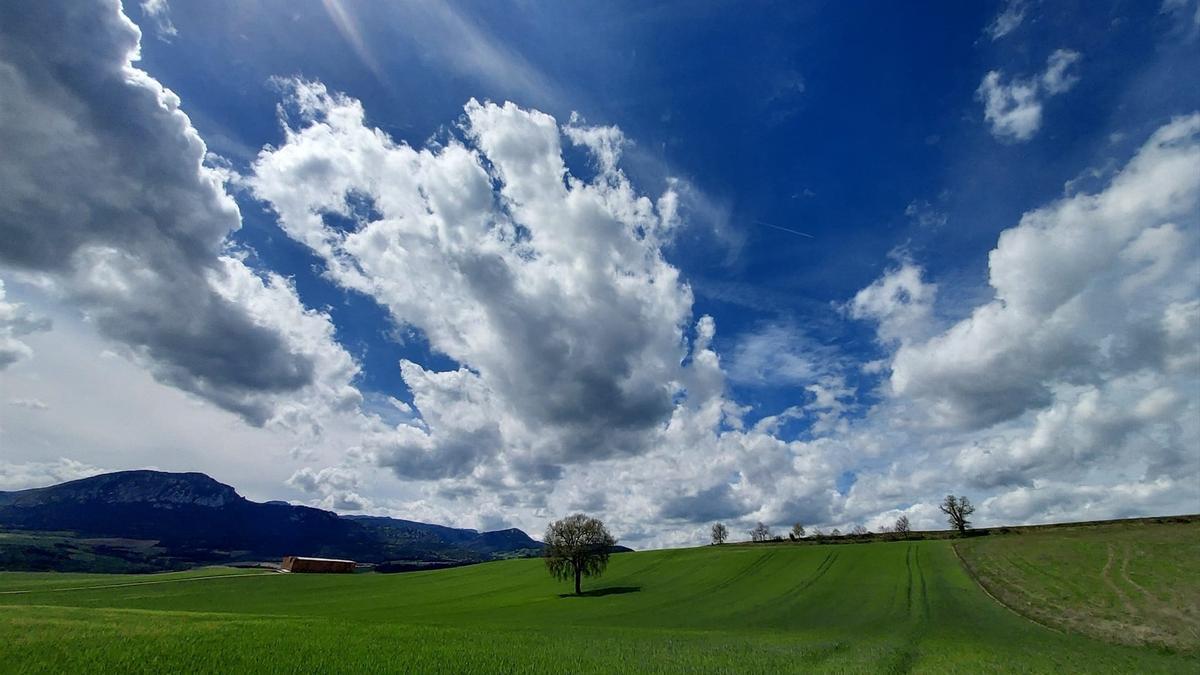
(191, 518)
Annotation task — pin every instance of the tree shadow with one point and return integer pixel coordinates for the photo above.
(598, 592)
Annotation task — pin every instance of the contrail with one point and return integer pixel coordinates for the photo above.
(776, 227)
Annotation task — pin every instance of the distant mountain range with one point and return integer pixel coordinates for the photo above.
(144, 520)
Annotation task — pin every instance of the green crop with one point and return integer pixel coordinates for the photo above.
(877, 607)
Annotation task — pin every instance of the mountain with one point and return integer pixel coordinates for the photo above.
(169, 520)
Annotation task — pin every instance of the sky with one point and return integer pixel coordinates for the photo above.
(668, 264)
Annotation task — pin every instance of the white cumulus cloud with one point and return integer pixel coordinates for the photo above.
(1013, 110)
(550, 291)
(105, 195)
(16, 321)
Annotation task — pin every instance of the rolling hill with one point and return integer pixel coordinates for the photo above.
(906, 606)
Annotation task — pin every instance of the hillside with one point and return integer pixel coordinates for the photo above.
(148, 520)
(875, 607)
(1133, 582)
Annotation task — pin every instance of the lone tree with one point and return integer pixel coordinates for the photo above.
(719, 533)
(902, 527)
(577, 546)
(760, 533)
(797, 531)
(957, 510)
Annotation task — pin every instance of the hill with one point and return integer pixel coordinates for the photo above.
(147, 520)
(874, 607)
(1134, 582)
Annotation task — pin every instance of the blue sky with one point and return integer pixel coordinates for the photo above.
(816, 150)
(830, 119)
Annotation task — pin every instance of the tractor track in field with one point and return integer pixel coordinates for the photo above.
(1129, 580)
(744, 572)
(978, 582)
(1150, 604)
(908, 577)
(134, 583)
(826, 564)
(1106, 574)
(912, 560)
(924, 587)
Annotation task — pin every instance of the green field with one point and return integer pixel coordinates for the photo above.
(878, 607)
(1136, 583)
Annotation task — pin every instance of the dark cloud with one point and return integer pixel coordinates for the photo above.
(714, 503)
(103, 187)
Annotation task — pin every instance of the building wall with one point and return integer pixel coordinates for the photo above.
(297, 564)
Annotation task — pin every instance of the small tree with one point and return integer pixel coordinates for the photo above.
(860, 531)
(902, 527)
(958, 511)
(835, 532)
(760, 533)
(797, 531)
(577, 546)
(719, 534)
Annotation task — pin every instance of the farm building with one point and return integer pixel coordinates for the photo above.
(295, 563)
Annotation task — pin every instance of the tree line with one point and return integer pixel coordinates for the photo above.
(579, 546)
(957, 510)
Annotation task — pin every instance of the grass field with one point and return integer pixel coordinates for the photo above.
(879, 607)
(1135, 583)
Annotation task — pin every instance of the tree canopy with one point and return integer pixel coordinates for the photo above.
(577, 546)
(958, 511)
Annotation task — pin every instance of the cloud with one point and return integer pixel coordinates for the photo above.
(16, 322)
(924, 214)
(580, 376)
(325, 480)
(334, 487)
(571, 331)
(1014, 110)
(900, 302)
(105, 193)
(25, 475)
(29, 403)
(1056, 79)
(1072, 395)
(714, 503)
(1008, 20)
(1188, 18)
(159, 13)
(1089, 287)
(1056, 501)
(551, 292)
(107, 411)
(778, 354)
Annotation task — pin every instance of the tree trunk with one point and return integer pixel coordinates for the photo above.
(577, 575)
